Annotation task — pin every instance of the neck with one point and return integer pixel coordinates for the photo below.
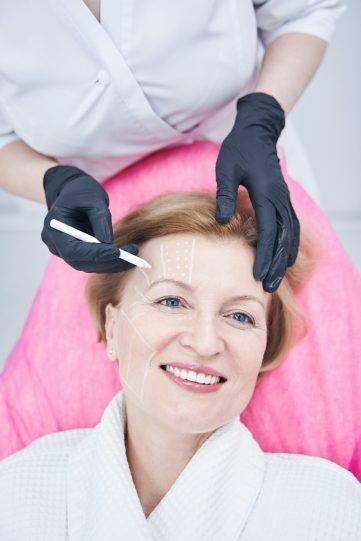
(156, 456)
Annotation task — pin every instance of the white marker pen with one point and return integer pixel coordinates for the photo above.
(80, 235)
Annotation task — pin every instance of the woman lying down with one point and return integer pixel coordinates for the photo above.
(170, 459)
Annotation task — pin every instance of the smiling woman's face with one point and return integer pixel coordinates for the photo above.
(199, 304)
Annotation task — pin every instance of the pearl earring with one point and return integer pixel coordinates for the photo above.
(110, 352)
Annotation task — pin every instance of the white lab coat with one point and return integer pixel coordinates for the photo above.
(151, 75)
(77, 486)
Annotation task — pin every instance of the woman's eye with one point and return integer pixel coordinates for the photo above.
(242, 318)
(170, 302)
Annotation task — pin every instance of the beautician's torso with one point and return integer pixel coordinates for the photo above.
(101, 96)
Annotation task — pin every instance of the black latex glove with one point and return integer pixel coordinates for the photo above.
(75, 198)
(248, 157)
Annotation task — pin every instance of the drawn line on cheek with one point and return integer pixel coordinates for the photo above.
(126, 362)
(135, 303)
(141, 294)
(138, 315)
(127, 384)
(149, 360)
(162, 260)
(128, 356)
(191, 262)
(128, 306)
(126, 377)
(135, 329)
(125, 305)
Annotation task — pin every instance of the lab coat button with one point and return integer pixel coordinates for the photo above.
(103, 77)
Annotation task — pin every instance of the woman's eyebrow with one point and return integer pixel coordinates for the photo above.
(171, 281)
(247, 298)
(188, 287)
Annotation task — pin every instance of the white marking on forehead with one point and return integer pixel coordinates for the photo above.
(191, 261)
(177, 259)
(162, 260)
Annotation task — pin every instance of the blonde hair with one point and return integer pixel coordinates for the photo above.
(192, 212)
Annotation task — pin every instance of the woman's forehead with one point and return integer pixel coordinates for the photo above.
(199, 260)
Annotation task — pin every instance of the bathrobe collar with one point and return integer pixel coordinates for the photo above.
(211, 499)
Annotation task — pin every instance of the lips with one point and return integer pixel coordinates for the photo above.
(196, 368)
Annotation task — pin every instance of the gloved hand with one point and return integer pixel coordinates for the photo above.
(248, 157)
(75, 198)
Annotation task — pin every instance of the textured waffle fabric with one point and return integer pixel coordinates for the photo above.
(76, 485)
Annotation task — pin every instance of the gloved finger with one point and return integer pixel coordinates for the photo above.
(101, 223)
(102, 267)
(267, 234)
(226, 200)
(274, 278)
(278, 266)
(49, 237)
(71, 249)
(227, 184)
(295, 239)
(117, 265)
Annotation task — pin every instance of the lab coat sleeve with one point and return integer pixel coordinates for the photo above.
(7, 134)
(277, 17)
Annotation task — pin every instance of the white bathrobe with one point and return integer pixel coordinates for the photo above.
(76, 485)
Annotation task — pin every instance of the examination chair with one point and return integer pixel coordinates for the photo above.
(58, 377)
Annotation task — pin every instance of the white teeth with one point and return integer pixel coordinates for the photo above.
(201, 378)
(190, 375)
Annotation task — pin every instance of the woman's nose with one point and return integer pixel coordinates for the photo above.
(203, 336)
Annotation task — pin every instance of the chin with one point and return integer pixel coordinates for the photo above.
(193, 420)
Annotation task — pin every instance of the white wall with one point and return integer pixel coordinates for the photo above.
(328, 120)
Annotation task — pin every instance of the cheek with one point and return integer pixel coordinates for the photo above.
(144, 330)
(248, 353)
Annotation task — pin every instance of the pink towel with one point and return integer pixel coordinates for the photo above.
(58, 377)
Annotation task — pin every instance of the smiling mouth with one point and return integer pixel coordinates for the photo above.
(194, 376)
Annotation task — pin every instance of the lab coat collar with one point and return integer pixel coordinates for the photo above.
(211, 499)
